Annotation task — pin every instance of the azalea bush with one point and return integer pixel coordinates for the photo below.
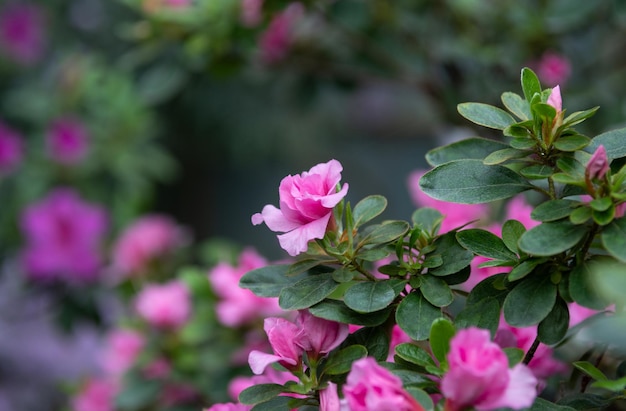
(392, 314)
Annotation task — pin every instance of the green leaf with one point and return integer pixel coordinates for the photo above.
(578, 117)
(268, 281)
(523, 143)
(415, 316)
(138, 393)
(340, 361)
(436, 291)
(343, 275)
(455, 258)
(524, 268)
(530, 83)
(305, 265)
(572, 143)
(609, 278)
(385, 232)
(337, 311)
(441, 332)
(427, 219)
(373, 254)
(414, 354)
(492, 286)
(590, 370)
(580, 215)
(516, 131)
(601, 204)
(280, 403)
(613, 238)
(472, 182)
(485, 243)
(537, 172)
(544, 110)
(530, 301)
(553, 210)
(512, 230)
(260, 393)
(375, 340)
(458, 278)
(421, 396)
(585, 401)
(307, 292)
(500, 156)
(476, 148)
(616, 386)
(553, 328)
(484, 314)
(571, 167)
(582, 286)
(368, 208)
(369, 296)
(544, 405)
(516, 105)
(551, 238)
(613, 142)
(486, 115)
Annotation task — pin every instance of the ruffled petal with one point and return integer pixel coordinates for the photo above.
(259, 361)
(520, 392)
(275, 219)
(297, 240)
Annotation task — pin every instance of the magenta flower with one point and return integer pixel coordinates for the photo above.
(455, 215)
(320, 336)
(229, 406)
(306, 206)
(63, 237)
(11, 149)
(276, 40)
(371, 387)
(329, 398)
(553, 68)
(148, 239)
(598, 164)
(68, 141)
(121, 350)
(285, 338)
(22, 32)
(165, 306)
(239, 306)
(250, 15)
(555, 99)
(96, 395)
(479, 375)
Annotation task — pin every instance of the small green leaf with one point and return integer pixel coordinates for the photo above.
(305, 265)
(368, 208)
(603, 217)
(578, 117)
(501, 156)
(268, 281)
(514, 355)
(601, 204)
(260, 393)
(516, 105)
(427, 219)
(530, 301)
(471, 148)
(385, 232)
(553, 210)
(524, 268)
(491, 286)
(484, 313)
(343, 275)
(436, 291)
(375, 340)
(614, 239)
(616, 386)
(415, 316)
(590, 370)
(580, 215)
(372, 254)
(544, 110)
(337, 311)
(414, 354)
(369, 296)
(551, 238)
(512, 230)
(441, 331)
(553, 328)
(455, 258)
(537, 172)
(485, 243)
(340, 362)
(571, 167)
(307, 292)
(530, 83)
(486, 115)
(523, 143)
(572, 143)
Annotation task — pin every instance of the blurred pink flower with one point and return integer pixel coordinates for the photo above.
(22, 32)
(455, 215)
(479, 376)
(518, 209)
(229, 406)
(165, 306)
(146, 240)
(276, 40)
(306, 206)
(239, 306)
(598, 164)
(122, 347)
(68, 141)
(555, 99)
(250, 15)
(11, 149)
(96, 395)
(371, 387)
(329, 398)
(157, 369)
(398, 336)
(553, 68)
(63, 237)
(177, 3)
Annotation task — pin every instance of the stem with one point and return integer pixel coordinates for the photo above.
(588, 241)
(531, 351)
(552, 190)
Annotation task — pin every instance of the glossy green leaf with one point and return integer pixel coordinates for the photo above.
(614, 239)
(551, 238)
(514, 355)
(516, 131)
(343, 275)
(436, 291)
(485, 243)
(376, 341)
(279, 403)
(455, 258)
(571, 166)
(580, 215)
(530, 83)
(441, 332)
(486, 115)
(492, 286)
(524, 268)
(553, 328)
(472, 182)
(530, 301)
(268, 281)
(553, 210)
(427, 219)
(537, 172)
(459, 277)
(260, 393)
(523, 143)
(337, 311)
(613, 142)
(368, 208)
(307, 292)
(373, 254)
(476, 148)
(386, 232)
(414, 354)
(415, 316)
(582, 286)
(579, 116)
(501, 156)
(484, 314)
(603, 217)
(601, 204)
(590, 369)
(516, 105)
(369, 296)
(572, 143)
(512, 230)
(340, 362)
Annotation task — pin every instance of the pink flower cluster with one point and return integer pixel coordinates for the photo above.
(164, 306)
(63, 237)
(306, 206)
(11, 149)
(22, 32)
(238, 306)
(122, 346)
(67, 141)
(277, 39)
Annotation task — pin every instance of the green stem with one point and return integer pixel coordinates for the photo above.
(531, 351)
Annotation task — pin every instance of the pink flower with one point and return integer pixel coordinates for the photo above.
(320, 336)
(67, 140)
(122, 348)
(165, 306)
(148, 239)
(22, 32)
(398, 336)
(371, 387)
(329, 398)
(455, 215)
(157, 369)
(250, 15)
(598, 164)
(285, 338)
(238, 306)
(479, 375)
(555, 99)
(306, 206)
(229, 406)
(518, 209)
(11, 150)
(63, 237)
(276, 40)
(553, 68)
(96, 395)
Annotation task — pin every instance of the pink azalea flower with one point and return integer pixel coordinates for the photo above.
(329, 398)
(165, 306)
(555, 99)
(320, 336)
(250, 15)
(63, 237)
(96, 395)
(238, 306)
(479, 375)
(371, 387)
(306, 206)
(276, 40)
(121, 349)
(11, 149)
(518, 209)
(146, 240)
(285, 338)
(455, 215)
(229, 406)
(22, 32)
(598, 164)
(68, 141)
(553, 69)
(398, 336)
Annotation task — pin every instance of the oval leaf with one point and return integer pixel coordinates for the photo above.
(476, 148)
(554, 327)
(572, 143)
(530, 302)
(334, 310)
(485, 243)
(368, 208)
(340, 362)
(369, 296)
(486, 115)
(551, 238)
(516, 105)
(307, 292)
(553, 210)
(268, 281)
(614, 239)
(454, 257)
(500, 156)
(441, 331)
(260, 393)
(436, 291)
(415, 316)
(530, 83)
(613, 142)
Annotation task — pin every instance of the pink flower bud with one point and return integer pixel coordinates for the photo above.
(598, 164)
(555, 99)
(320, 336)
(165, 306)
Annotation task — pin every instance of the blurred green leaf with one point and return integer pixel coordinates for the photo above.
(441, 332)
(340, 361)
